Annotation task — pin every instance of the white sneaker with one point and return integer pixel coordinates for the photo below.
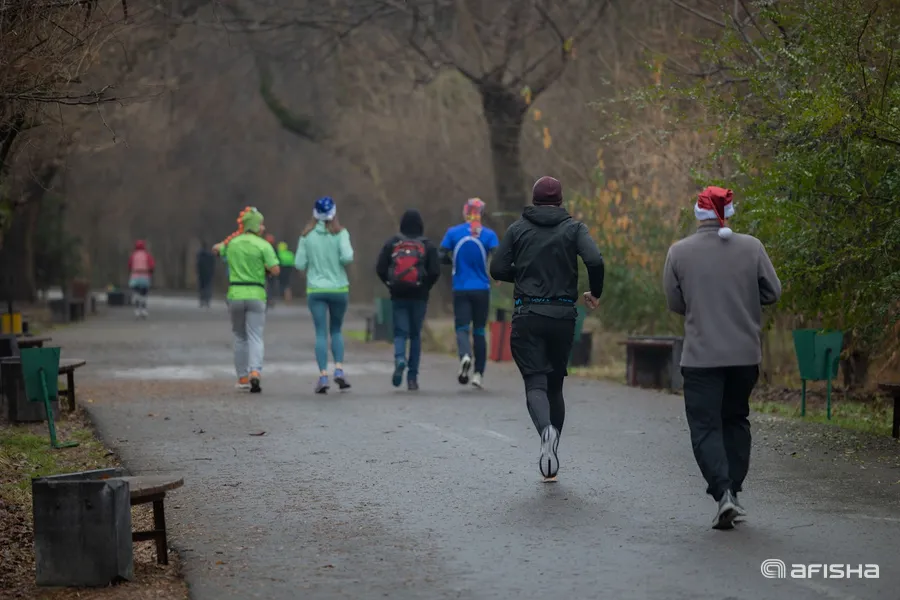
(476, 381)
(465, 363)
(549, 460)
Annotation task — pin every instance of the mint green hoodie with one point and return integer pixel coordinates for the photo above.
(324, 257)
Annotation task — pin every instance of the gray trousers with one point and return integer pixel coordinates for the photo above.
(248, 319)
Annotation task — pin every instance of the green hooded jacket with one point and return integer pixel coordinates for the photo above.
(324, 256)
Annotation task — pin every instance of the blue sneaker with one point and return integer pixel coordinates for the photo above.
(322, 385)
(399, 367)
(339, 379)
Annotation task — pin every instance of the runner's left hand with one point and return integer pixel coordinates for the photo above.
(591, 302)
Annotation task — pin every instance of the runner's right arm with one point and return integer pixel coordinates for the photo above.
(769, 284)
(346, 248)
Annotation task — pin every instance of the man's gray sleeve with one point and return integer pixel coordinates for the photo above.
(769, 284)
(672, 287)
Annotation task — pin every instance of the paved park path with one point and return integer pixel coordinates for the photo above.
(382, 493)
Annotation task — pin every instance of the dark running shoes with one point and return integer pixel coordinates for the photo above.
(255, 379)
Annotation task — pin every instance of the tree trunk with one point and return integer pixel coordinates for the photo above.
(17, 255)
(504, 112)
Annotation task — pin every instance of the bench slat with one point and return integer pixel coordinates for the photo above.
(142, 486)
(648, 343)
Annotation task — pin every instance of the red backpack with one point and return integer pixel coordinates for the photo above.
(407, 271)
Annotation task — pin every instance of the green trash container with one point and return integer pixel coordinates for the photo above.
(40, 371)
(579, 327)
(384, 320)
(818, 358)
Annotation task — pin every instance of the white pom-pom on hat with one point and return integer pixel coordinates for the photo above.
(725, 232)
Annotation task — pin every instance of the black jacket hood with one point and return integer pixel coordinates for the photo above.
(411, 224)
(546, 216)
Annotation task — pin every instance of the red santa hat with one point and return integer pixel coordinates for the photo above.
(715, 203)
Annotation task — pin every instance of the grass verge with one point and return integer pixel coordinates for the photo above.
(864, 413)
(25, 452)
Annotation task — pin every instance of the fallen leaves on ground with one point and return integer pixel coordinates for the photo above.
(26, 453)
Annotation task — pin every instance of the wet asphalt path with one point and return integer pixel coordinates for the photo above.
(383, 493)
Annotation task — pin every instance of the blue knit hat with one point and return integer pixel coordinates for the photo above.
(324, 209)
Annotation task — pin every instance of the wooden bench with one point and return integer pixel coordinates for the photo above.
(654, 361)
(67, 310)
(18, 408)
(32, 341)
(152, 488)
(67, 366)
(893, 389)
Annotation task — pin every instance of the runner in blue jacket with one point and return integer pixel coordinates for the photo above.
(467, 247)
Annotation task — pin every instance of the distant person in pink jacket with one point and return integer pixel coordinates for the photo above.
(140, 268)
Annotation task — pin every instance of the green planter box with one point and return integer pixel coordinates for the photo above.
(583, 354)
(818, 358)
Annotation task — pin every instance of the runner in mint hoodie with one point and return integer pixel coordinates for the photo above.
(467, 247)
(324, 251)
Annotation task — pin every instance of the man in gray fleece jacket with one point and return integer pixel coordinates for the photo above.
(719, 281)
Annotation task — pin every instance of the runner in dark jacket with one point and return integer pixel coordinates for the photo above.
(409, 305)
(539, 254)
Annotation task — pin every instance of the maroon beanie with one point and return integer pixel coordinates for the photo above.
(547, 190)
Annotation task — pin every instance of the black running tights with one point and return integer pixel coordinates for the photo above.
(544, 395)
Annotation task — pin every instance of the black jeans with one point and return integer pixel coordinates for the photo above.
(541, 347)
(470, 309)
(717, 405)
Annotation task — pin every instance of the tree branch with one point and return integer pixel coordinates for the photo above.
(696, 12)
(86, 99)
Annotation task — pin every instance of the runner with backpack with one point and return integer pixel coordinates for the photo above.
(467, 246)
(409, 266)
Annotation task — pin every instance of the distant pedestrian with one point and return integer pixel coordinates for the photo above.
(467, 247)
(206, 268)
(141, 266)
(719, 281)
(273, 283)
(409, 266)
(539, 254)
(324, 251)
(286, 262)
(251, 260)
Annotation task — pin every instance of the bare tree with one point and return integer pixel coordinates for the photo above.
(511, 51)
(46, 47)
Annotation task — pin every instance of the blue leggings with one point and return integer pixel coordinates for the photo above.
(323, 305)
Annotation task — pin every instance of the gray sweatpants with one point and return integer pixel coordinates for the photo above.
(248, 319)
